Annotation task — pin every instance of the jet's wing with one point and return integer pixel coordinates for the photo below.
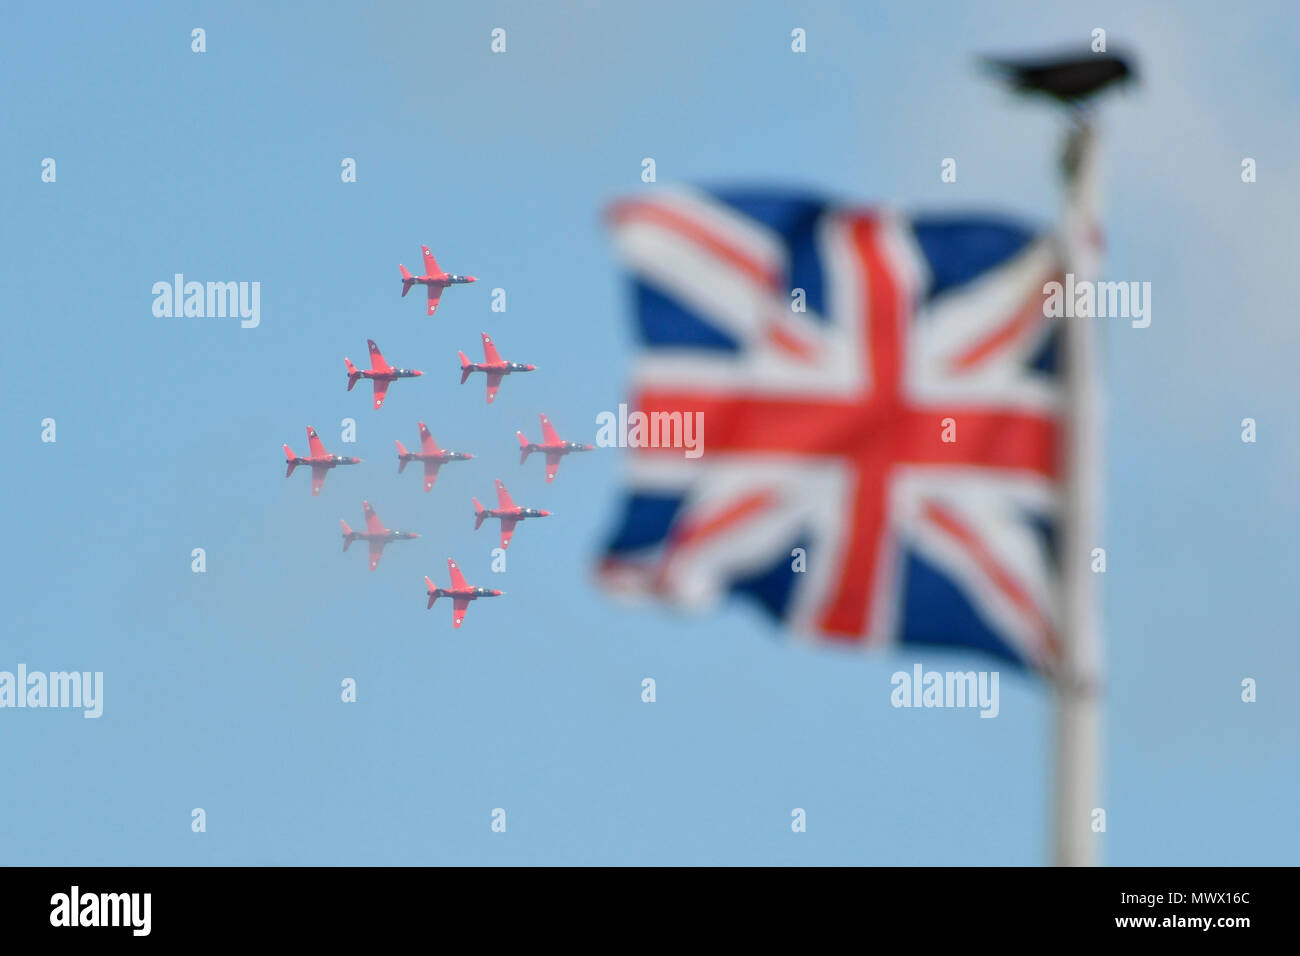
(507, 529)
(427, 444)
(430, 265)
(549, 435)
(493, 383)
(457, 579)
(381, 390)
(430, 474)
(373, 524)
(552, 464)
(503, 497)
(377, 360)
(490, 353)
(376, 551)
(317, 446)
(458, 608)
(435, 293)
(318, 473)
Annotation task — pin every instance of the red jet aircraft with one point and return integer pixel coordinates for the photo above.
(493, 364)
(375, 533)
(552, 445)
(460, 593)
(321, 461)
(433, 277)
(430, 454)
(509, 513)
(380, 372)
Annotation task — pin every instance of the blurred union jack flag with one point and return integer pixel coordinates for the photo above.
(832, 350)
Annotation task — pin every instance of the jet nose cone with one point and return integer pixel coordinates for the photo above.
(416, 372)
(414, 535)
(470, 279)
(468, 456)
(546, 514)
(588, 447)
(530, 368)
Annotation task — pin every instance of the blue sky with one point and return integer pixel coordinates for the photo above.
(222, 689)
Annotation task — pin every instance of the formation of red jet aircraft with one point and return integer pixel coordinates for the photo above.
(430, 455)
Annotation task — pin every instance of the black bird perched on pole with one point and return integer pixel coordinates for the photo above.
(1069, 79)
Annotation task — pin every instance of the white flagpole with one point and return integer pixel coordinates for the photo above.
(1078, 690)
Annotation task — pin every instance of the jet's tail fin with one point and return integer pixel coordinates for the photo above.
(353, 375)
(289, 457)
(408, 280)
(347, 534)
(432, 588)
(479, 514)
(524, 450)
(465, 369)
(401, 457)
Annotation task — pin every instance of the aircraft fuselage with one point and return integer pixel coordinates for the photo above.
(468, 594)
(327, 461)
(438, 456)
(391, 374)
(501, 368)
(443, 281)
(559, 448)
(382, 535)
(518, 514)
